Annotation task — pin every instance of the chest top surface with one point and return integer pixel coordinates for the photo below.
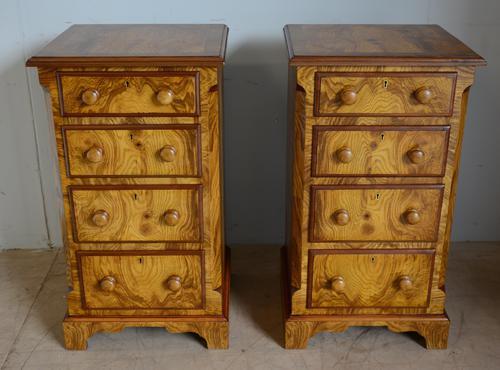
(376, 44)
(87, 44)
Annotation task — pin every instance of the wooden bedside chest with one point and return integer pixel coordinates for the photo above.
(137, 113)
(376, 116)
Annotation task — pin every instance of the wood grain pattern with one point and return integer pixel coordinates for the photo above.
(133, 151)
(215, 333)
(129, 93)
(371, 278)
(137, 213)
(375, 213)
(130, 45)
(141, 280)
(379, 94)
(369, 44)
(379, 151)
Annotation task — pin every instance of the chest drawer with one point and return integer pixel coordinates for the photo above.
(375, 213)
(346, 278)
(129, 93)
(379, 150)
(133, 151)
(384, 94)
(142, 280)
(154, 213)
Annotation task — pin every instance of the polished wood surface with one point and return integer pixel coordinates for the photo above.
(375, 214)
(379, 151)
(369, 279)
(375, 139)
(152, 131)
(135, 44)
(138, 214)
(129, 94)
(393, 94)
(142, 281)
(376, 44)
(167, 150)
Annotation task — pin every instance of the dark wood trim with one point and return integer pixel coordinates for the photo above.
(197, 187)
(149, 61)
(318, 76)
(114, 74)
(152, 318)
(180, 252)
(318, 128)
(310, 268)
(226, 284)
(311, 60)
(312, 208)
(97, 127)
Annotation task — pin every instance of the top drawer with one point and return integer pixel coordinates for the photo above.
(384, 94)
(129, 94)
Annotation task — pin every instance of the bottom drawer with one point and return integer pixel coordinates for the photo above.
(375, 278)
(142, 279)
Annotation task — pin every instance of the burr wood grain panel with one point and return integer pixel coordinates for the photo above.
(142, 280)
(379, 150)
(133, 151)
(389, 94)
(137, 213)
(347, 278)
(129, 93)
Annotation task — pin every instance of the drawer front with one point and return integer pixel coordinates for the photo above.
(379, 151)
(384, 94)
(346, 278)
(142, 280)
(129, 93)
(375, 213)
(133, 151)
(169, 213)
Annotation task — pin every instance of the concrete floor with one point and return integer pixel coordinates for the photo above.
(32, 305)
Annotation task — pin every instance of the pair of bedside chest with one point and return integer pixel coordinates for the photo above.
(376, 118)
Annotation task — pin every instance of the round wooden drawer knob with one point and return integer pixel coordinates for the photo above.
(94, 154)
(405, 283)
(341, 217)
(344, 155)
(412, 216)
(90, 96)
(100, 218)
(174, 283)
(423, 95)
(165, 96)
(348, 95)
(338, 284)
(171, 217)
(167, 153)
(108, 284)
(416, 155)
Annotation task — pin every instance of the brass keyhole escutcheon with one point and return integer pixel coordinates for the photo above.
(386, 84)
(382, 135)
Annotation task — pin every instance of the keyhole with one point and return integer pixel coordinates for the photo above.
(127, 84)
(386, 83)
(377, 196)
(141, 260)
(131, 136)
(373, 259)
(135, 196)
(382, 136)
